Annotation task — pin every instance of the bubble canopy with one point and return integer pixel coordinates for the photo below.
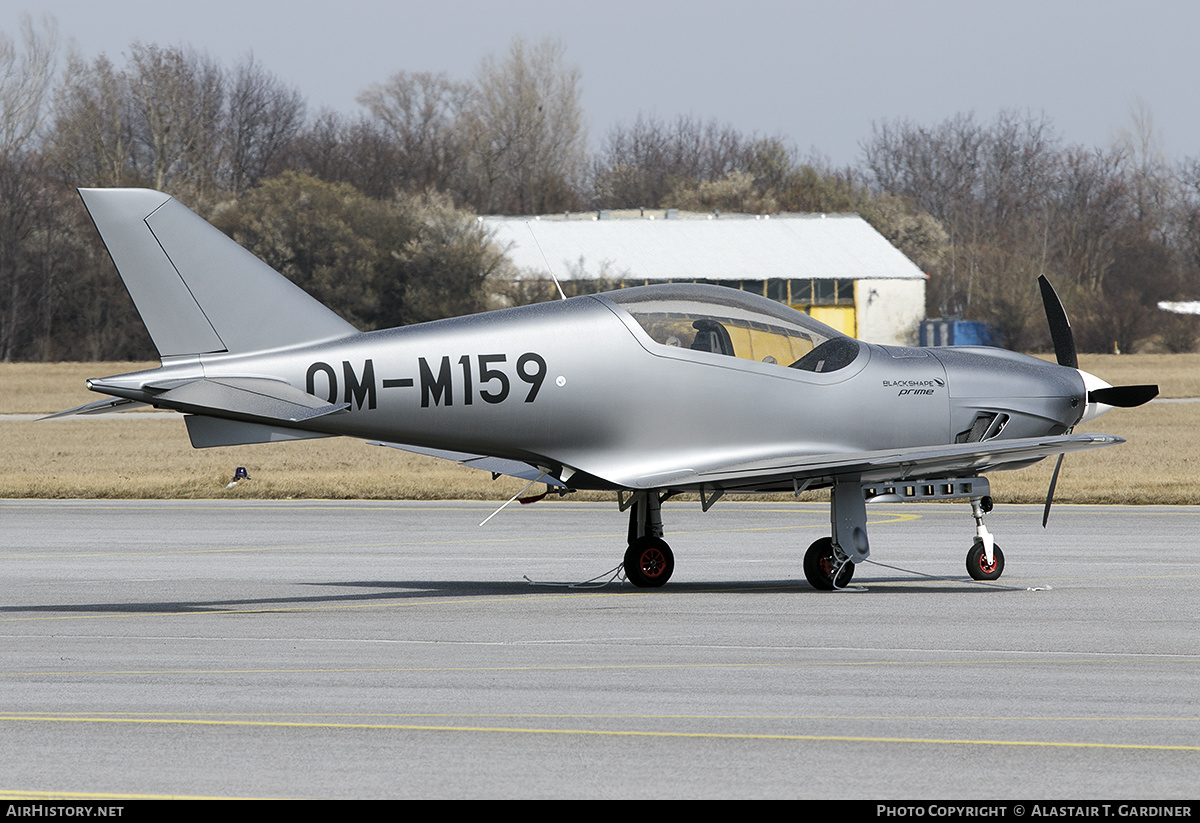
(734, 323)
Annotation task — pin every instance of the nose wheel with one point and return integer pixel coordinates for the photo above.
(985, 561)
(978, 566)
(649, 562)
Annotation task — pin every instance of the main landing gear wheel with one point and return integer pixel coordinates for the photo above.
(649, 563)
(977, 565)
(819, 562)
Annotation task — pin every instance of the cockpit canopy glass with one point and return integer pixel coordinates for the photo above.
(730, 322)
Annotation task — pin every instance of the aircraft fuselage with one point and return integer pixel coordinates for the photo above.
(578, 383)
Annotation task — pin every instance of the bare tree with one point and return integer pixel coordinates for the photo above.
(651, 161)
(92, 141)
(18, 214)
(424, 114)
(990, 188)
(1091, 203)
(263, 117)
(317, 149)
(1149, 173)
(525, 131)
(1187, 218)
(359, 151)
(177, 99)
(156, 122)
(26, 79)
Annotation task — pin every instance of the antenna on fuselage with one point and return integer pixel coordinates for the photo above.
(514, 497)
(557, 285)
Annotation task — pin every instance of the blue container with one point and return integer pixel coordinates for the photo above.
(958, 333)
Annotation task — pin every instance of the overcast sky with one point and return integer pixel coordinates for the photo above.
(818, 74)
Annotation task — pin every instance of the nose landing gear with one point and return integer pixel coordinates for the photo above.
(985, 561)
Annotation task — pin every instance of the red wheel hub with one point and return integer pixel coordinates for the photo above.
(652, 562)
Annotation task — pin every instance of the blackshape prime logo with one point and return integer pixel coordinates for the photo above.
(917, 387)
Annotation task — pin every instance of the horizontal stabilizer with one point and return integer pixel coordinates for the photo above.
(495, 465)
(112, 404)
(250, 396)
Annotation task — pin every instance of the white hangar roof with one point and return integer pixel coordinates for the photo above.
(841, 247)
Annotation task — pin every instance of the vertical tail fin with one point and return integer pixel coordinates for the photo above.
(197, 290)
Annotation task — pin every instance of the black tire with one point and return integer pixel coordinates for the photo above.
(977, 565)
(819, 561)
(649, 563)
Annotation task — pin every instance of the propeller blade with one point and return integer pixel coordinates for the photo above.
(1050, 491)
(1060, 326)
(1124, 397)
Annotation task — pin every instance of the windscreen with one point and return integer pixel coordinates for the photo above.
(737, 324)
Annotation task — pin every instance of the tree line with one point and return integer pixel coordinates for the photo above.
(374, 212)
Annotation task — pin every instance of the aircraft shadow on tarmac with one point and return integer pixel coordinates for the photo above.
(380, 591)
(461, 588)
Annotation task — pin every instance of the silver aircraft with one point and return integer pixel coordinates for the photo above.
(649, 392)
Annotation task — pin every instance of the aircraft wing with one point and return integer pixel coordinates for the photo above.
(495, 465)
(889, 465)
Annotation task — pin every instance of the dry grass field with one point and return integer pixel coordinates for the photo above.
(122, 456)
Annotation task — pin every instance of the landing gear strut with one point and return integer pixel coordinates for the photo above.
(829, 563)
(985, 561)
(649, 561)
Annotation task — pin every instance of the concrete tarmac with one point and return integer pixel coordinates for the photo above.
(329, 649)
